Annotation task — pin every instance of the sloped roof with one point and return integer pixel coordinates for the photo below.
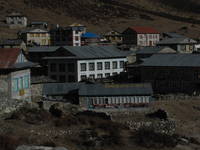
(173, 60)
(43, 49)
(173, 35)
(97, 89)
(34, 30)
(115, 90)
(8, 57)
(11, 42)
(181, 40)
(154, 49)
(139, 29)
(90, 35)
(84, 52)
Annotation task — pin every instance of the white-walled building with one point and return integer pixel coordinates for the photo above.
(35, 37)
(72, 64)
(141, 36)
(15, 20)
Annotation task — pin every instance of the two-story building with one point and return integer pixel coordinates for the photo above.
(16, 20)
(14, 74)
(72, 64)
(141, 36)
(35, 36)
(180, 44)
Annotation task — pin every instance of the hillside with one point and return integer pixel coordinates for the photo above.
(103, 15)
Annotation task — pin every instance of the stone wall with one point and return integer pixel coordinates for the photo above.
(3, 87)
(36, 91)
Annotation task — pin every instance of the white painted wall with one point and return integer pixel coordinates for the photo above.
(146, 38)
(103, 71)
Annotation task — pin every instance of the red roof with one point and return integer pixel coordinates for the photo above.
(144, 30)
(8, 57)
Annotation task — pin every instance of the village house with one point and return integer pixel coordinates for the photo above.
(76, 30)
(146, 52)
(16, 20)
(14, 74)
(141, 36)
(72, 64)
(170, 73)
(180, 44)
(89, 38)
(35, 37)
(67, 36)
(114, 37)
(94, 96)
(12, 43)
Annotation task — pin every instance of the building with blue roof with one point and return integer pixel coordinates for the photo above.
(90, 38)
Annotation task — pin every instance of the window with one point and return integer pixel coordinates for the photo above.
(91, 67)
(76, 32)
(83, 67)
(76, 38)
(99, 76)
(121, 64)
(71, 67)
(107, 65)
(62, 78)
(62, 67)
(91, 76)
(43, 42)
(99, 66)
(53, 67)
(26, 81)
(107, 75)
(15, 85)
(83, 77)
(71, 78)
(21, 83)
(54, 77)
(114, 65)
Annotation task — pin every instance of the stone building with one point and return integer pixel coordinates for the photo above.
(14, 74)
(15, 20)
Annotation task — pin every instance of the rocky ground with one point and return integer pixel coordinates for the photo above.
(165, 125)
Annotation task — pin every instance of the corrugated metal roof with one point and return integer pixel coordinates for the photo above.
(139, 29)
(181, 40)
(11, 42)
(97, 89)
(173, 35)
(43, 49)
(60, 88)
(90, 35)
(8, 57)
(115, 90)
(85, 52)
(150, 50)
(173, 60)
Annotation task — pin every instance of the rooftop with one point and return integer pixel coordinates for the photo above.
(173, 60)
(11, 42)
(181, 40)
(154, 50)
(97, 89)
(139, 29)
(90, 35)
(84, 52)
